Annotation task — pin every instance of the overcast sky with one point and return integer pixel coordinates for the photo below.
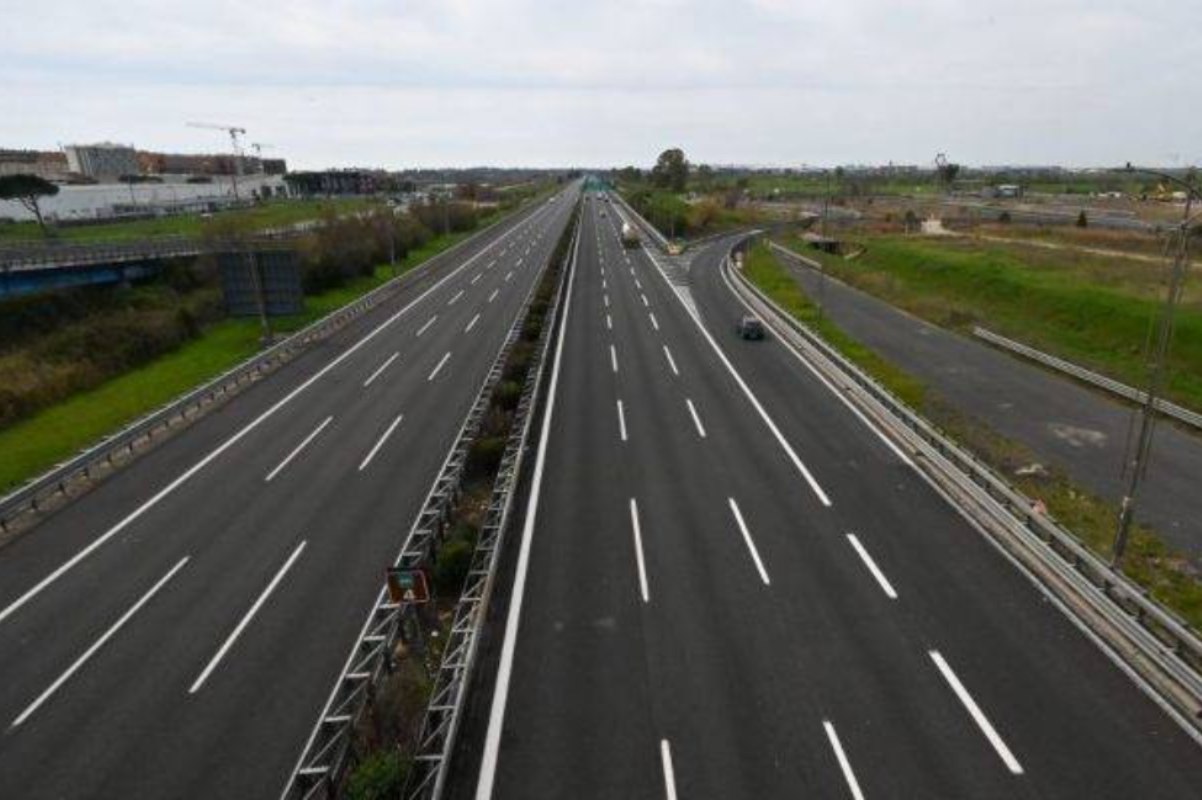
(400, 83)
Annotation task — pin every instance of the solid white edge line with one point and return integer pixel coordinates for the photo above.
(844, 763)
(91, 651)
(638, 550)
(613, 358)
(380, 442)
(472, 324)
(665, 757)
(41, 586)
(439, 367)
(621, 420)
(780, 437)
(496, 716)
(696, 418)
(835, 391)
(246, 619)
(755, 555)
(671, 361)
(884, 583)
(380, 369)
(304, 442)
(978, 716)
(426, 327)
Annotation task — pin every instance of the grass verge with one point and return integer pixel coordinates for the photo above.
(1168, 575)
(1091, 310)
(36, 443)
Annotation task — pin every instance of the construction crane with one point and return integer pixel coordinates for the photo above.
(233, 131)
(259, 147)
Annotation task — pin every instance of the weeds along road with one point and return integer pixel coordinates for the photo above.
(175, 632)
(730, 587)
(1074, 428)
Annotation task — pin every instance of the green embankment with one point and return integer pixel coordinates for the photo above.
(272, 214)
(1167, 574)
(1091, 310)
(36, 443)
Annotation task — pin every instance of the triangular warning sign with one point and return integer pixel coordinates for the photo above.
(409, 596)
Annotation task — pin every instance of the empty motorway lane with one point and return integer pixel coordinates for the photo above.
(729, 586)
(175, 632)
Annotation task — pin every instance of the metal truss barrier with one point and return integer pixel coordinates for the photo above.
(118, 447)
(1144, 637)
(329, 752)
(1173, 410)
(443, 715)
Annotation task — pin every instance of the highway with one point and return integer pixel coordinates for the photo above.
(729, 586)
(176, 631)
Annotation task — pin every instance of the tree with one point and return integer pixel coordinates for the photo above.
(28, 190)
(705, 177)
(671, 170)
(947, 172)
(1082, 220)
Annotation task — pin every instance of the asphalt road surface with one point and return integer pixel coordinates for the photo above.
(175, 632)
(1078, 430)
(730, 587)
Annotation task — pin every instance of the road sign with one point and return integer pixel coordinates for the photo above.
(408, 586)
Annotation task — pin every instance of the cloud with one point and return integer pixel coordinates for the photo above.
(530, 82)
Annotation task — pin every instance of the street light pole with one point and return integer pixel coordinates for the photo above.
(1159, 348)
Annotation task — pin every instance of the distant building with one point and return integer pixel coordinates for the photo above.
(103, 160)
(47, 165)
(333, 182)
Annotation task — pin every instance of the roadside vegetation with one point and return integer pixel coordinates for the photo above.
(75, 366)
(1167, 574)
(1090, 309)
(270, 214)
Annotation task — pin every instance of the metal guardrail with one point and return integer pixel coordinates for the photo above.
(444, 712)
(1173, 410)
(104, 455)
(1150, 639)
(328, 753)
(660, 240)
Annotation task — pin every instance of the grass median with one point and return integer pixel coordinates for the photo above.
(1089, 309)
(1167, 574)
(34, 444)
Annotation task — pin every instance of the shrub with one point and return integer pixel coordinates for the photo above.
(380, 776)
(451, 568)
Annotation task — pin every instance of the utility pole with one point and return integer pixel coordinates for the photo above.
(1158, 345)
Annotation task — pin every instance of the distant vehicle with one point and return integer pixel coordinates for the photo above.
(750, 327)
(630, 237)
(675, 248)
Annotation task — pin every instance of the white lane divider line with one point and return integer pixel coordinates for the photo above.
(519, 261)
(494, 294)
(609, 323)
(605, 297)
(671, 361)
(872, 567)
(844, 764)
(603, 284)
(697, 421)
(479, 275)
(457, 295)
(99, 643)
(654, 321)
(621, 420)
(613, 358)
(380, 442)
(426, 327)
(438, 368)
(381, 369)
(665, 757)
(646, 304)
(472, 324)
(638, 550)
(755, 555)
(977, 715)
(508, 275)
(493, 263)
(638, 285)
(304, 443)
(250, 615)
